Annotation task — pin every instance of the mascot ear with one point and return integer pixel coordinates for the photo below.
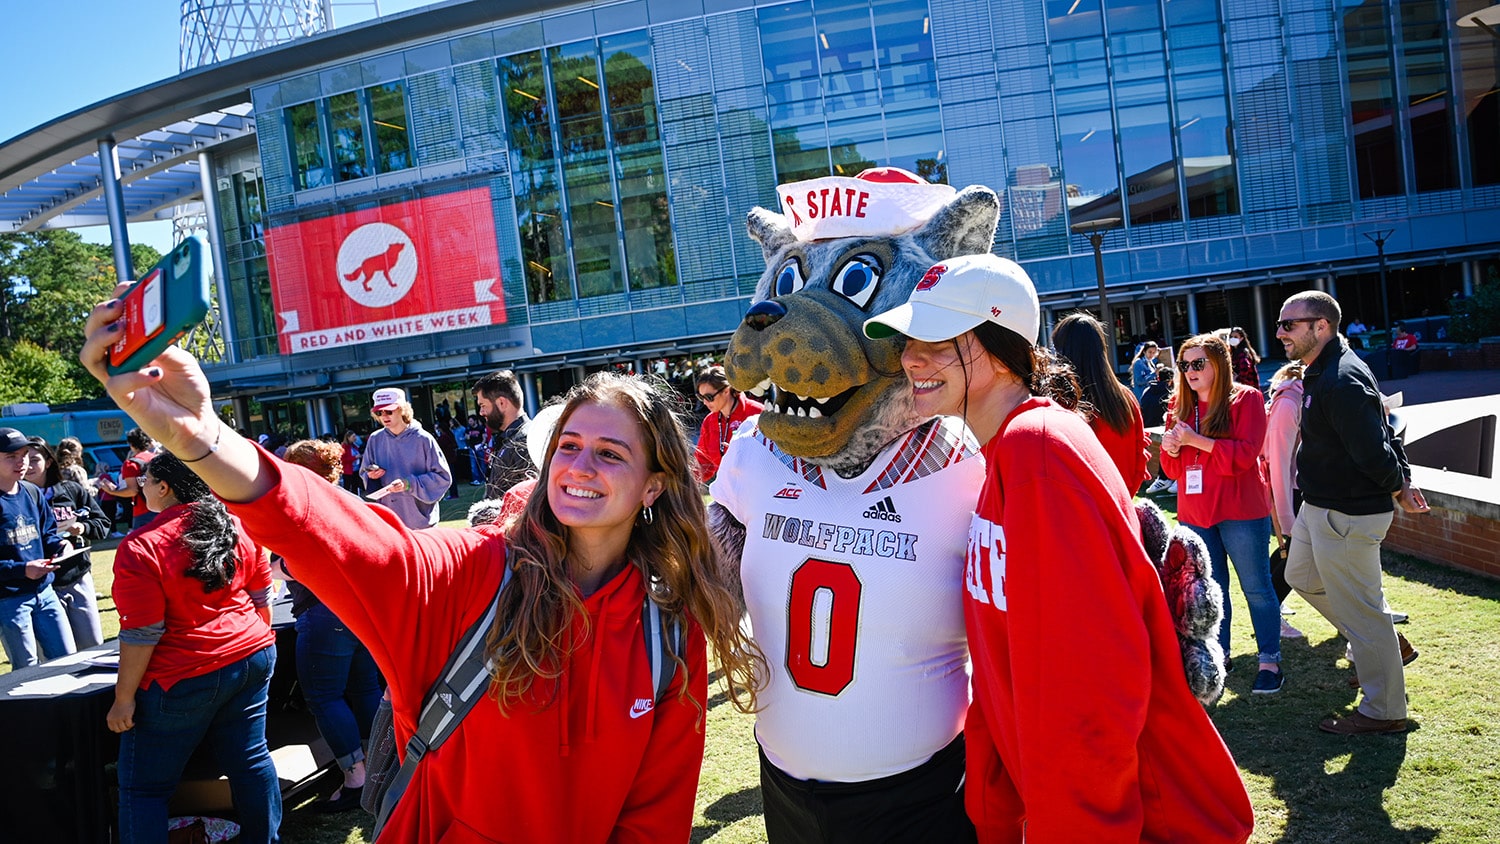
(769, 230)
(965, 226)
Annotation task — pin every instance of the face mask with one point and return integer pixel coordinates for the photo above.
(1234, 341)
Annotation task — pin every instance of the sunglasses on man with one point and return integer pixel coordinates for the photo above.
(1289, 324)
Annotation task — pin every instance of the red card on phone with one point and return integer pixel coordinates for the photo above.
(143, 317)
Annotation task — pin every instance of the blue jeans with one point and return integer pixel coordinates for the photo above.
(29, 620)
(228, 706)
(339, 681)
(1247, 543)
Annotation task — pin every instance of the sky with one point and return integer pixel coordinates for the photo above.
(58, 56)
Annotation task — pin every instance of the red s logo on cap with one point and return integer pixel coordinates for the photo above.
(930, 280)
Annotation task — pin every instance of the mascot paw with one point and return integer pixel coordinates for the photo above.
(1204, 663)
(1196, 601)
(1154, 532)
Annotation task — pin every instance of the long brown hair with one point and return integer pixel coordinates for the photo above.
(1079, 338)
(673, 552)
(1216, 423)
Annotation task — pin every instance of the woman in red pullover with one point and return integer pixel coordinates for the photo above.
(570, 746)
(1114, 414)
(1056, 570)
(1215, 429)
(727, 408)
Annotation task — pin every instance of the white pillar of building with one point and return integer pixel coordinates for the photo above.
(311, 407)
(1192, 305)
(1471, 269)
(1258, 301)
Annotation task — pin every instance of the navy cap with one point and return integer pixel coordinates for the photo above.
(12, 441)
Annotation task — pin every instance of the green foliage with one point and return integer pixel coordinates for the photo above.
(1477, 316)
(48, 283)
(29, 373)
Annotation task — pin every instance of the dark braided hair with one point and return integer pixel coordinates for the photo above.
(211, 535)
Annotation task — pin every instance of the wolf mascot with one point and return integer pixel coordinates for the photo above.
(847, 515)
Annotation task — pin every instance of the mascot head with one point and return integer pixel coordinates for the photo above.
(841, 250)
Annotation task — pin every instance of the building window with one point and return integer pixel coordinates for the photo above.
(1479, 58)
(309, 155)
(544, 249)
(391, 127)
(1372, 99)
(347, 129)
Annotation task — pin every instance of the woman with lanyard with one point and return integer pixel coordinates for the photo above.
(1056, 566)
(1215, 429)
(727, 408)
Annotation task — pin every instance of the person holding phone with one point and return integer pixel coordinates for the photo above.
(405, 462)
(81, 521)
(617, 520)
(33, 624)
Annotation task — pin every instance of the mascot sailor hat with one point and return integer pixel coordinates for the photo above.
(958, 294)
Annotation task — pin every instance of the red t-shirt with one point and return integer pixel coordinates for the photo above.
(1056, 570)
(1406, 343)
(134, 468)
(205, 630)
(1130, 451)
(1234, 475)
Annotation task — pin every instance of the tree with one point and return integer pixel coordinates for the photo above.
(1477, 316)
(29, 373)
(48, 283)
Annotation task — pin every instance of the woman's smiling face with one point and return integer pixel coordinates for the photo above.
(943, 373)
(600, 475)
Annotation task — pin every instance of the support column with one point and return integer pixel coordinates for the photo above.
(241, 413)
(325, 416)
(311, 408)
(1192, 303)
(114, 207)
(1471, 269)
(528, 389)
(215, 234)
(1258, 300)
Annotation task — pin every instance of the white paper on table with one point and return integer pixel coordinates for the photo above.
(61, 684)
(104, 660)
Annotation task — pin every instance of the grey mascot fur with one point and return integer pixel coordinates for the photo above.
(1194, 599)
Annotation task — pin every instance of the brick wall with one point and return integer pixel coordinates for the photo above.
(1458, 532)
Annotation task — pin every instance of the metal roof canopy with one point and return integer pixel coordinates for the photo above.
(50, 176)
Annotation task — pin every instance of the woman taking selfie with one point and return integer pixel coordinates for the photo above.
(1056, 566)
(616, 519)
(196, 655)
(1215, 430)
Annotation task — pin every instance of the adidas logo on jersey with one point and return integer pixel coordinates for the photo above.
(789, 492)
(885, 510)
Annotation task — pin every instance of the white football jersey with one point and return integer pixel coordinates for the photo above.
(855, 592)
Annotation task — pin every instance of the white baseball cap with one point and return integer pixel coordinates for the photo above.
(957, 294)
(386, 397)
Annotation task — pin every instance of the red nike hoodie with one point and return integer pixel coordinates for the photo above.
(587, 758)
(1082, 726)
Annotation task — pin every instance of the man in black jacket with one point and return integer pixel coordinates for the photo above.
(499, 398)
(1352, 472)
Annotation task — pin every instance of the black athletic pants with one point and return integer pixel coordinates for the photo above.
(925, 804)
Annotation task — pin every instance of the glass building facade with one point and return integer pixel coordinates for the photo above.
(1232, 150)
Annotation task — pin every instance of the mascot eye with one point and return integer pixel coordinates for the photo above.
(857, 279)
(789, 280)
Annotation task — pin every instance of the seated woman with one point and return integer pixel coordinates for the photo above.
(571, 729)
(196, 655)
(339, 679)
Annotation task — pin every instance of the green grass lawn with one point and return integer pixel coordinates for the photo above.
(1439, 782)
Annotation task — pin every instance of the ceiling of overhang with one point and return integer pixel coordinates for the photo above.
(158, 170)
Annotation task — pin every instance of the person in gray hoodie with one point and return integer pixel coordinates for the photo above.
(405, 462)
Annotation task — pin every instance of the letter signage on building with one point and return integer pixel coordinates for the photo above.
(396, 270)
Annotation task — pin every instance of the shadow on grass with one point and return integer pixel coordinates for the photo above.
(1333, 786)
(1440, 577)
(727, 810)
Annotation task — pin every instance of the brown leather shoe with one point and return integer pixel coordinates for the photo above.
(1409, 655)
(1357, 724)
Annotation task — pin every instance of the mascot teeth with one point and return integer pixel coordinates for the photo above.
(808, 407)
(760, 389)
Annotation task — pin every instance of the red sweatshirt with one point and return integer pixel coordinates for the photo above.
(1234, 476)
(599, 764)
(1082, 726)
(715, 433)
(1130, 451)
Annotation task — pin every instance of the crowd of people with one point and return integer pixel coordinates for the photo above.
(606, 516)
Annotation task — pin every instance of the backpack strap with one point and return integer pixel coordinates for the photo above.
(458, 688)
(664, 637)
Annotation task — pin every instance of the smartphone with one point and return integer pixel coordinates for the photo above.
(162, 306)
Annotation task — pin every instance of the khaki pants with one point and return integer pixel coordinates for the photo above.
(1334, 564)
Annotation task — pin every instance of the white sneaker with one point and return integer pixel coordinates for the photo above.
(1289, 632)
(1398, 617)
(1158, 485)
(1173, 488)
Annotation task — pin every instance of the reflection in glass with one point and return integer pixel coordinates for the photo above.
(903, 32)
(580, 109)
(591, 222)
(631, 89)
(646, 221)
(788, 47)
(1377, 150)
(309, 160)
(845, 42)
(1073, 19)
(528, 121)
(539, 223)
(1434, 149)
(1091, 183)
(348, 133)
(1479, 57)
(392, 137)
